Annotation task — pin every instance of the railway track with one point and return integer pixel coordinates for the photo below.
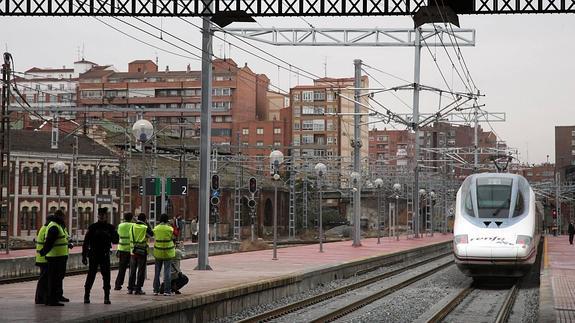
(455, 300)
(341, 311)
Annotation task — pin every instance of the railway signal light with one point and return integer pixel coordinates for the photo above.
(252, 203)
(253, 187)
(215, 182)
(554, 214)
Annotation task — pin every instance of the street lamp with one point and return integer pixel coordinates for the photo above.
(396, 190)
(276, 158)
(379, 186)
(356, 184)
(143, 130)
(60, 168)
(320, 170)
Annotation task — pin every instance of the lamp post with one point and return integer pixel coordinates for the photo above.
(356, 184)
(276, 158)
(379, 186)
(60, 168)
(320, 170)
(143, 130)
(396, 189)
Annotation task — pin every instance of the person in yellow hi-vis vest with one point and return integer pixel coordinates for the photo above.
(139, 234)
(56, 251)
(124, 248)
(164, 252)
(42, 263)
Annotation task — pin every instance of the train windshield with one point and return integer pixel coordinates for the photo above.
(494, 197)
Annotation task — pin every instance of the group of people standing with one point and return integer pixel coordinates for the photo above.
(132, 237)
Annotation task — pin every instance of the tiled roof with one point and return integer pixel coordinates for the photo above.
(50, 70)
(39, 142)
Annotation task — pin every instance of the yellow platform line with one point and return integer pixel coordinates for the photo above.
(545, 257)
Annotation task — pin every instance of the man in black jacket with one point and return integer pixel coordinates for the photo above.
(97, 244)
(56, 252)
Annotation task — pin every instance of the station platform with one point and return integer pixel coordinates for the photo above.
(232, 275)
(557, 293)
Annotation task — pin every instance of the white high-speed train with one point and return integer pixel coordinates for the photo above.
(497, 225)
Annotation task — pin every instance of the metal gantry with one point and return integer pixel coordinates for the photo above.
(272, 8)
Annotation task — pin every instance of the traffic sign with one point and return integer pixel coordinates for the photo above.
(176, 186)
(153, 186)
(103, 199)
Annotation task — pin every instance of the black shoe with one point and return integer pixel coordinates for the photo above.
(55, 304)
(118, 288)
(177, 292)
(107, 301)
(139, 292)
(63, 299)
(130, 292)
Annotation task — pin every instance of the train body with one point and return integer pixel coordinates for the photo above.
(497, 226)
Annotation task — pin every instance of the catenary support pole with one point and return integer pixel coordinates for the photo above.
(416, 77)
(205, 128)
(357, 155)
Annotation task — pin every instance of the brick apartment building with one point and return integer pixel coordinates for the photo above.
(322, 123)
(565, 152)
(173, 98)
(396, 147)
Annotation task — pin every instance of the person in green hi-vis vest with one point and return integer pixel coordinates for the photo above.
(164, 252)
(124, 249)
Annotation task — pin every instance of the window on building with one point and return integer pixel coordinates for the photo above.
(295, 96)
(260, 131)
(277, 143)
(221, 132)
(24, 219)
(319, 152)
(277, 131)
(296, 140)
(331, 110)
(259, 143)
(35, 176)
(26, 176)
(572, 133)
(330, 125)
(307, 139)
(37, 87)
(307, 109)
(219, 119)
(245, 131)
(330, 96)
(307, 96)
(33, 218)
(296, 111)
(573, 142)
(318, 95)
(573, 152)
(320, 140)
(296, 125)
(61, 87)
(228, 119)
(319, 125)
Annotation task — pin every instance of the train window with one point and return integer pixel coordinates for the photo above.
(469, 205)
(494, 197)
(519, 205)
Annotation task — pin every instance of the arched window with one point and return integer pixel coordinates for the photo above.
(35, 176)
(87, 217)
(26, 176)
(34, 218)
(105, 179)
(115, 180)
(80, 218)
(53, 178)
(52, 210)
(24, 219)
(89, 179)
(81, 179)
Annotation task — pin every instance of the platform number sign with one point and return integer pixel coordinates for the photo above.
(153, 186)
(177, 186)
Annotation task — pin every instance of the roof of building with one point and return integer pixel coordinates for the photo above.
(40, 141)
(96, 72)
(85, 62)
(50, 70)
(142, 61)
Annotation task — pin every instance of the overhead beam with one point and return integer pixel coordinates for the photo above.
(368, 37)
(269, 8)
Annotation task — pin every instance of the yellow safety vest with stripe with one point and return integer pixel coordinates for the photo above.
(138, 235)
(164, 247)
(124, 232)
(40, 239)
(60, 247)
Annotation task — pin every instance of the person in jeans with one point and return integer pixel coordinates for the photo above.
(139, 235)
(164, 252)
(124, 249)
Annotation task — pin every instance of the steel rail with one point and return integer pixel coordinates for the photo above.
(281, 311)
(342, 311)
(451, 305)
(505, 310)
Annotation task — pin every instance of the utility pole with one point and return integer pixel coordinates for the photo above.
(416, 77)
(205, 136)
(5, 152)
(558, 200)
(476, 139)
(356, 155)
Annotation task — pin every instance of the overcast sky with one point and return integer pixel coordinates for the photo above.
(523, 64)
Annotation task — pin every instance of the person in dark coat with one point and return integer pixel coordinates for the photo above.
(56, 250)
(571, 231)
(96, 250)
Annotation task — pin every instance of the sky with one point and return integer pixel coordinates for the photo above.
(523, 65)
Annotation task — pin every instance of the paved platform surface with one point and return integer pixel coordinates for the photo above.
(17, 300)
(559, 266)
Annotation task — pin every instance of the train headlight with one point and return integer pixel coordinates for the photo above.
(524, 240)
(459, 239)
